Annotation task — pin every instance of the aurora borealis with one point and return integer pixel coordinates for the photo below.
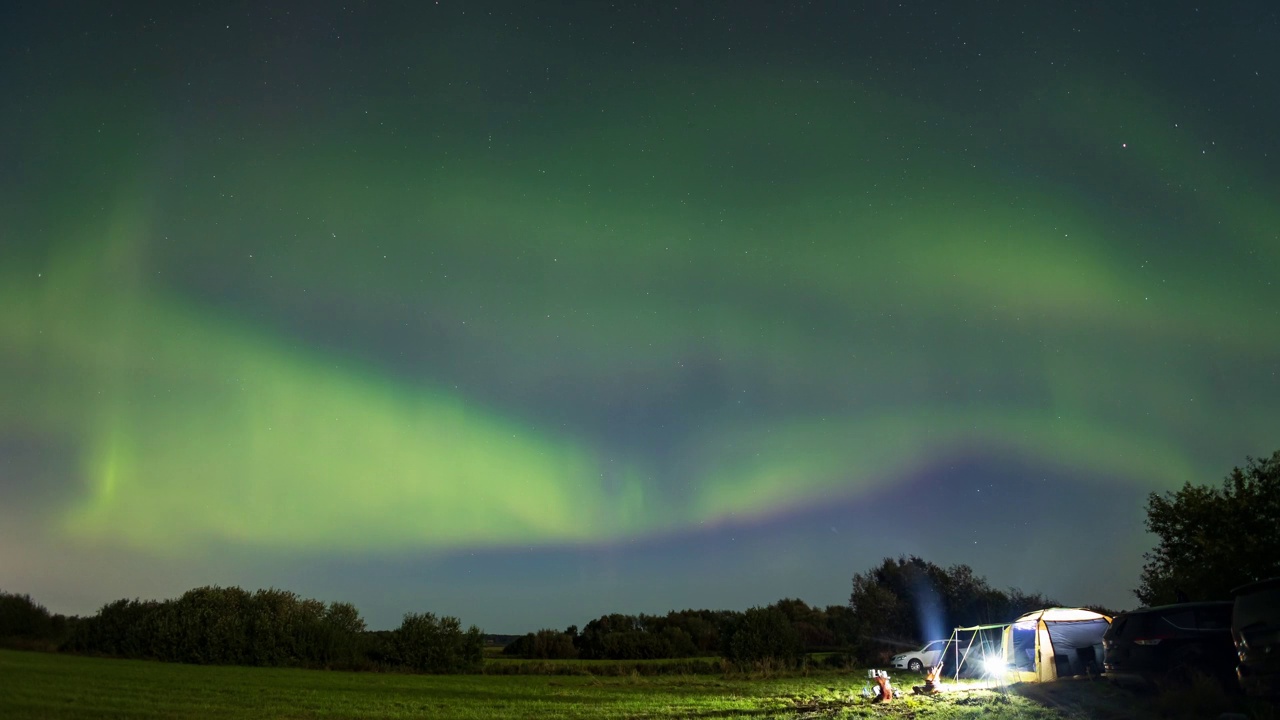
(528, 312)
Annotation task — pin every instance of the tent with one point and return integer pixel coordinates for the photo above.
(1055, 642)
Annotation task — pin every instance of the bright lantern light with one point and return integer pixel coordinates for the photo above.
(993, 665)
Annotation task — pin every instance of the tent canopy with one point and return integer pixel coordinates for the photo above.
(1062, 615)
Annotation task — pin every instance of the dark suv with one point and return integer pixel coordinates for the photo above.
(1255, 626)
(1171, 642)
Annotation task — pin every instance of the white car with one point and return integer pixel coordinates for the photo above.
(978, 658)
(918, 660)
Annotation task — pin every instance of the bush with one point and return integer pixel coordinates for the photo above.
(23, 618)
(27, 625)
(208, 626)
(686, 633)
(840, 661)
(763, 636)
(543, 645)
(124, 628)
(425, 643)
(342, 642)
(228, 626)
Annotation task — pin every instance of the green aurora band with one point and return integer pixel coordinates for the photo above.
(868, 302)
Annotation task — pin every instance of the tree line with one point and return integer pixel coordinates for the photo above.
(232, 626)
(1210, 540)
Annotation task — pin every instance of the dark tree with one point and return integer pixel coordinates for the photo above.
(843, 625)
(23, 618)
(763, 635)
(543, 645)
(227, 626)
(1214, 539)
(810, 623)
(430, 644)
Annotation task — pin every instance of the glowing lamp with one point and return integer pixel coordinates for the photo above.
(993, 665)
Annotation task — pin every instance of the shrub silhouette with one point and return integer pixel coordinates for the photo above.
(426, 643)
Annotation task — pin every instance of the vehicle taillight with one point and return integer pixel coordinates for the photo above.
(1147, 641)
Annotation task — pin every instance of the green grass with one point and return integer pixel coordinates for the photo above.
(605, 668)
(45, 685)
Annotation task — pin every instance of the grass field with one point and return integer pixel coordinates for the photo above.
(502, 665)
(44, 685)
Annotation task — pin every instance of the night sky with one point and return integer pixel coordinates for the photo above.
(527, 312)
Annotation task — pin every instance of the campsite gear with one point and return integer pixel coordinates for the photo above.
(886, 690)
(930, 685)
(931, 680)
